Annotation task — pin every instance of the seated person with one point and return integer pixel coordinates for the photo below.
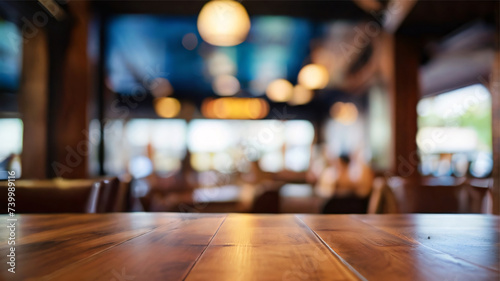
(348, 183)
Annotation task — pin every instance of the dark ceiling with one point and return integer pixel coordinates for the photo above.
(319, 10)
(437, 18)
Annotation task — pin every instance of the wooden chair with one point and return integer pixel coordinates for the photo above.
(123, 203)
(478, 195)
(108, 195)
(53, 196)
(346, 205)
(441, 198)
(431, 196)
(267, 202)
(382, 199)
(114, 194)
(267, 199)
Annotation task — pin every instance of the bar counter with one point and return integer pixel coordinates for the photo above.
(182, 246)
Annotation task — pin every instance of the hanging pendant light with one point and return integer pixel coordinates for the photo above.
(313, 76)
(223, 23)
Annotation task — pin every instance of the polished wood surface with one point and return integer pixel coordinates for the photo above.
(179, 246)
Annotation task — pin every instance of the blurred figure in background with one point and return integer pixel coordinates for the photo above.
(348, 184)
(168, 192)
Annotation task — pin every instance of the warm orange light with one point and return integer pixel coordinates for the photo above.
(226, 85)
(345, 113)
(301, 95)
(313, 76)
(235, 108)
(280, 90)
(223, 23)
(167, 107)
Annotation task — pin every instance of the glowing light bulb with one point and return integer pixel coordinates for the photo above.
(223, 23)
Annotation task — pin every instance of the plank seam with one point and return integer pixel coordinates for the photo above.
(206, 247)
(344, 262)
(55, 273)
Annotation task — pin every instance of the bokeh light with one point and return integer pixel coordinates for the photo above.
(167, 107)
(313, 76)
(226, 85)
(345, 113)
(220, 63)
(161, 87)
(223, 23)
(235, 108)
(301, 95)
(279, 90)
(190, 41)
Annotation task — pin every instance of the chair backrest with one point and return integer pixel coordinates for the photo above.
(382, 199)
(478, 195)
(267, 198)
(53, 196)
(346, 205)
(267, 202)
(433, 196)
(123, 202)
(108, 195)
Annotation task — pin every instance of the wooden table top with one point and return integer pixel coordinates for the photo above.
(180, 246)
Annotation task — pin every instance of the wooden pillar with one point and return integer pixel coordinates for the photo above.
(399, 70)
(69, 104)
(33, 103)
(405, 98)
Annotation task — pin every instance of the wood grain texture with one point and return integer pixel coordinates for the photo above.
(268, 247)
(168, 252)
(46, 243)
(466, 237)
(179, 246)
(379, 253)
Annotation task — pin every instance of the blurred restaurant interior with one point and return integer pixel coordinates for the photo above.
(362, 106)
(249, 140)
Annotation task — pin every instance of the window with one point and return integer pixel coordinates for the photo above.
(10, 57)
(11, 135)
(144, 146)
(455, 134)
(226, 145)
(11, 129)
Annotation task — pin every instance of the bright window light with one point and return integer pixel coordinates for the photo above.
(455, 131)
(11, 135)
(210, 136)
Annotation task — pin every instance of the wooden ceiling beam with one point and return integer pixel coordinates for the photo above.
(395, 14)
(369, 6)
